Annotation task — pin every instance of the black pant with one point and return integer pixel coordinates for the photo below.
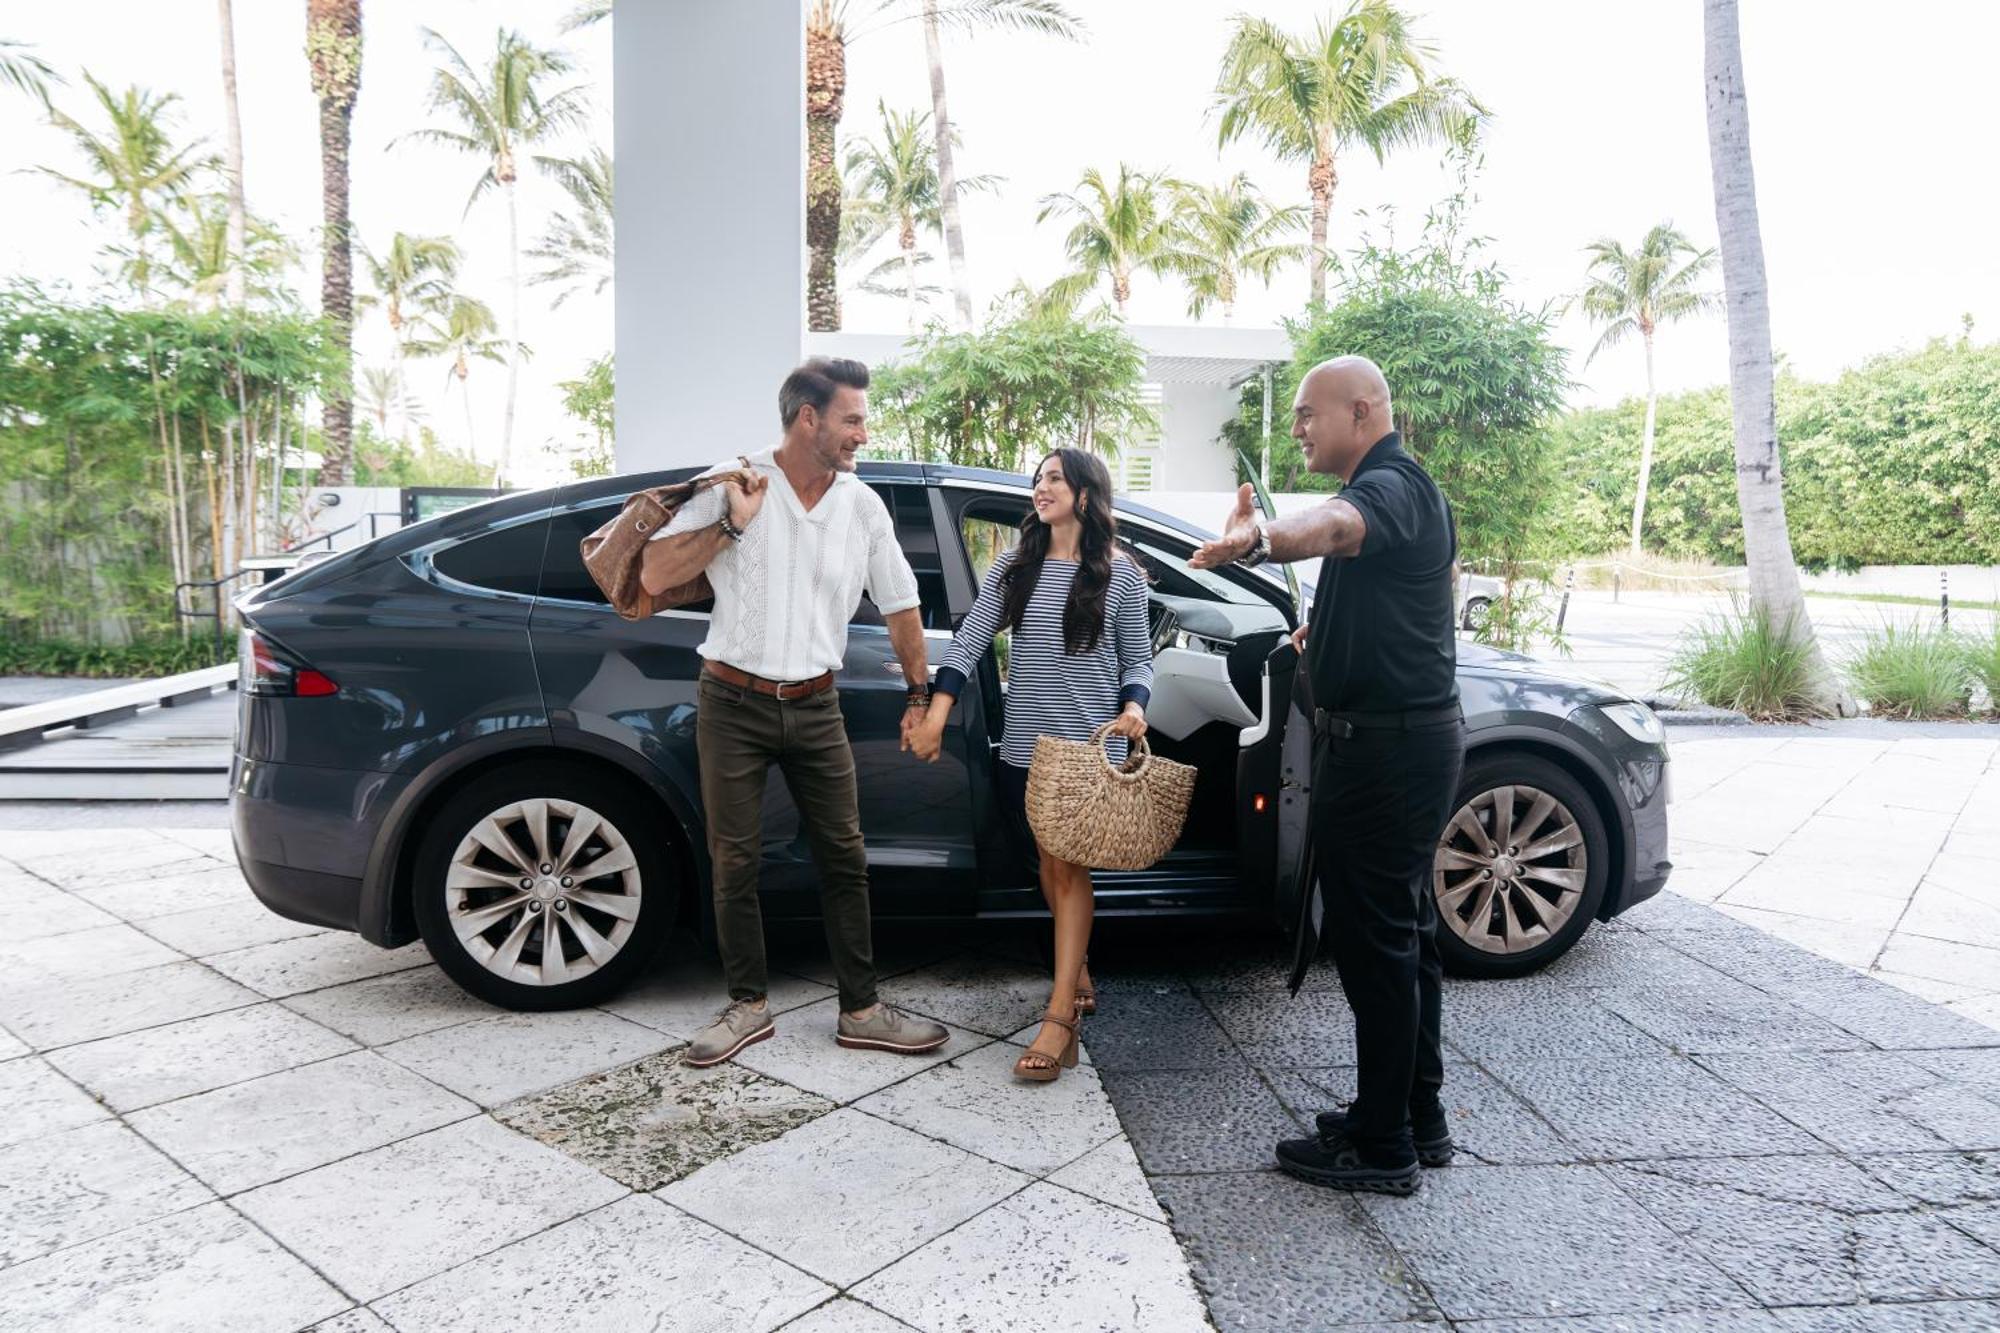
(1380, 800)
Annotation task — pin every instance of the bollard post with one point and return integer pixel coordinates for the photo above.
(1617, 581)
(1944, 595)
(1562, 611)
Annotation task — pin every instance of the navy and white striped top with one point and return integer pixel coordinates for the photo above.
(1049, 691)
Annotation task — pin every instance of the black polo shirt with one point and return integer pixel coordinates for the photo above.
(1381, 637)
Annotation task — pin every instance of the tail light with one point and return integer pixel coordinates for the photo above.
(267, 671)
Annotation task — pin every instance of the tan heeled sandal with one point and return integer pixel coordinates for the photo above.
(1041, 1067)
(1086, 996)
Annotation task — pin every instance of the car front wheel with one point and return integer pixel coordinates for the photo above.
(1521, 868)
(543, 887)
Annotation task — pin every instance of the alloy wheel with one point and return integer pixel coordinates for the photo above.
(1510, 869)
(543, 892)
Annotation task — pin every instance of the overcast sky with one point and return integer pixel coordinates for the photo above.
(1876, 227)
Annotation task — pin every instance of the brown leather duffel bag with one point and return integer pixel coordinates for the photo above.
(614, 552)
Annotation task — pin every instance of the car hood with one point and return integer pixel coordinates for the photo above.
(1580, 687)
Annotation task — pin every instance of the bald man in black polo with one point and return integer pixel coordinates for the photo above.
(1389, 745)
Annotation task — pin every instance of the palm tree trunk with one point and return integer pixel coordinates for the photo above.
(333, 47)
(513, 336)
(826, 89)
(1121, 287)
(954, 236)
(1320, 179)
(1767, 542)
(1645, 450)
(908, 242)
(465, 396)
(233, 155)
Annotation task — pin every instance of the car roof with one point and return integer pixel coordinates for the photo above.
(894, 472)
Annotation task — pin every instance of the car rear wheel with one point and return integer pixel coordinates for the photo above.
(1521, 868)
(544, 887)
(1476, 611)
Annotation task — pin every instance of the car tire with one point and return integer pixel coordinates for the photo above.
(1476, 610)
(1527, 909)
(489, 933)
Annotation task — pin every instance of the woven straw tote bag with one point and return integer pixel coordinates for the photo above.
(1089, 811)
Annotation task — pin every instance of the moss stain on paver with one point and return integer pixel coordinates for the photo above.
(653, 1122)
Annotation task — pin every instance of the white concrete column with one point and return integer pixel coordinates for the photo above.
(709, 133)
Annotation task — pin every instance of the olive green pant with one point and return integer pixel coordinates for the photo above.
(740, 734)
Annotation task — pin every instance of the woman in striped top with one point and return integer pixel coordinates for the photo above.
(1080, 656)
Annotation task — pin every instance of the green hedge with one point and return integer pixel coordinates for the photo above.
(1896, 462)
(158, 656)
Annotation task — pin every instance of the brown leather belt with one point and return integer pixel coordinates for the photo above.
(782, 690)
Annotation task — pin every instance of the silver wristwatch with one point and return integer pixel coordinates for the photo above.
(1260, 550)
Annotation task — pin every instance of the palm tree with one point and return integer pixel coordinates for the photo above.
(1043, 16)
(578, 251)
(333, 50)
(383, 393)
(828, 33)
(892, 184)
(586, 13)
(134, 165)
(826, 98)
(462, 333)
(502, 110)
(412, 281)
(233, 152)
(1364, 78)
(1226, 232)
(1120, 230)
(1636, 291)
(209, 267)
(24, 71)
(1767, 540)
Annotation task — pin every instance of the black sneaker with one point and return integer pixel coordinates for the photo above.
(1340, 1165)
(1433, 1136)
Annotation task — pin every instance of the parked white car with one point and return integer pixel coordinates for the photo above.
(1476, 595)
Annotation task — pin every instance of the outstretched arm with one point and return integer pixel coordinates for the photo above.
(1334, 528)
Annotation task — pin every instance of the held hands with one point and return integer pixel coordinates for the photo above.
(1239, 534)
(923, 732)
(744, 492)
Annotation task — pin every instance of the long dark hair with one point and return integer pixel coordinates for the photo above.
(1083, 617)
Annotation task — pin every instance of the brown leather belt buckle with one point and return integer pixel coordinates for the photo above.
(806, 689)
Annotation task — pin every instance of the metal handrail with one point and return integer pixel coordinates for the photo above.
(183, 611)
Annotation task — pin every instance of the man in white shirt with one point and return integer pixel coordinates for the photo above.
(790, 544)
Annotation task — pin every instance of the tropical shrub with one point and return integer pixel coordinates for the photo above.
(1911, 670)
(1895, 462)
(1742, 660)
(1026, 383)
(153, 655)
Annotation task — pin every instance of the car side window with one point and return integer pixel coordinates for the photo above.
(563, 576)
(506, 560)
(916, 532)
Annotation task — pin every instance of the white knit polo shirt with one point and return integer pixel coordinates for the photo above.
(785, 593)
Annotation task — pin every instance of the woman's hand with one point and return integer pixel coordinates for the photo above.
(1130, 723)
(927, 740)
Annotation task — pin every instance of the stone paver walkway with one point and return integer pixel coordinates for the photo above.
(1874, 844)
(220, 1120)
(1779, 1114)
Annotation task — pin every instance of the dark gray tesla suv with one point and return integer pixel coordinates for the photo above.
(448, 734)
